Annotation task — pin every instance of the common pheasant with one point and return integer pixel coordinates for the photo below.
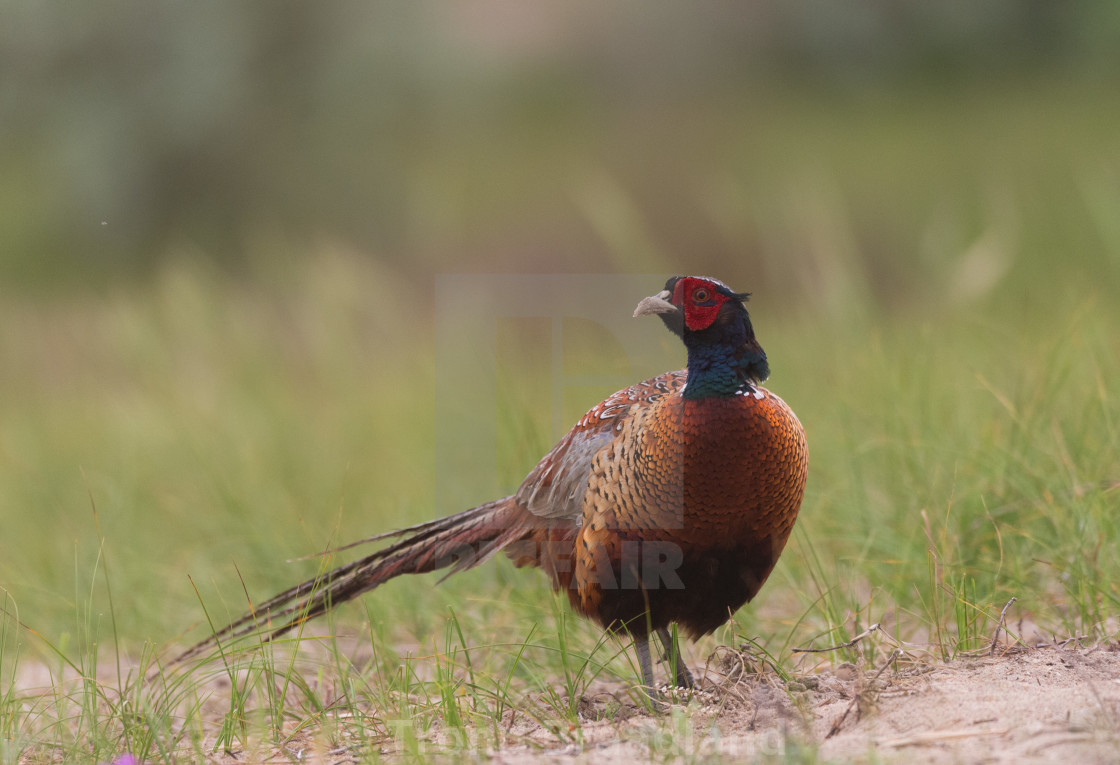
(670, 501)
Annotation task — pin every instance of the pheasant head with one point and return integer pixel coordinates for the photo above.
(724, 357)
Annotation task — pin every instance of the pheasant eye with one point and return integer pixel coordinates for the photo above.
(700, 295)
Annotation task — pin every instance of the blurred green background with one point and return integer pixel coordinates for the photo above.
(221, 225)
(548, 136)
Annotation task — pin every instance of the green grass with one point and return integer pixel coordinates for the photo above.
(955, 464)
(964, 440)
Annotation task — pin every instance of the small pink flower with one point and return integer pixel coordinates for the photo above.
(124, 759)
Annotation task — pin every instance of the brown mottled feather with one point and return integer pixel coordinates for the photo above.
(726, 504)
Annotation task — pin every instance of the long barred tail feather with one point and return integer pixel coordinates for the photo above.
(458, 542)
(412, 532)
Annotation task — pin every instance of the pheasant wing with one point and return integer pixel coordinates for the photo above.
(556, 486)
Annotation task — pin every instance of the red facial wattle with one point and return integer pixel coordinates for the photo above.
(700, 300)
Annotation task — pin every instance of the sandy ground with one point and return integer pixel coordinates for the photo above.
(1034, 706)
(1039, 705)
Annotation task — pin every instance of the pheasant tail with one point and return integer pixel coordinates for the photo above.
(457, 542)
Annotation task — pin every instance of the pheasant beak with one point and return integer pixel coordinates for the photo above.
(658, 303)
